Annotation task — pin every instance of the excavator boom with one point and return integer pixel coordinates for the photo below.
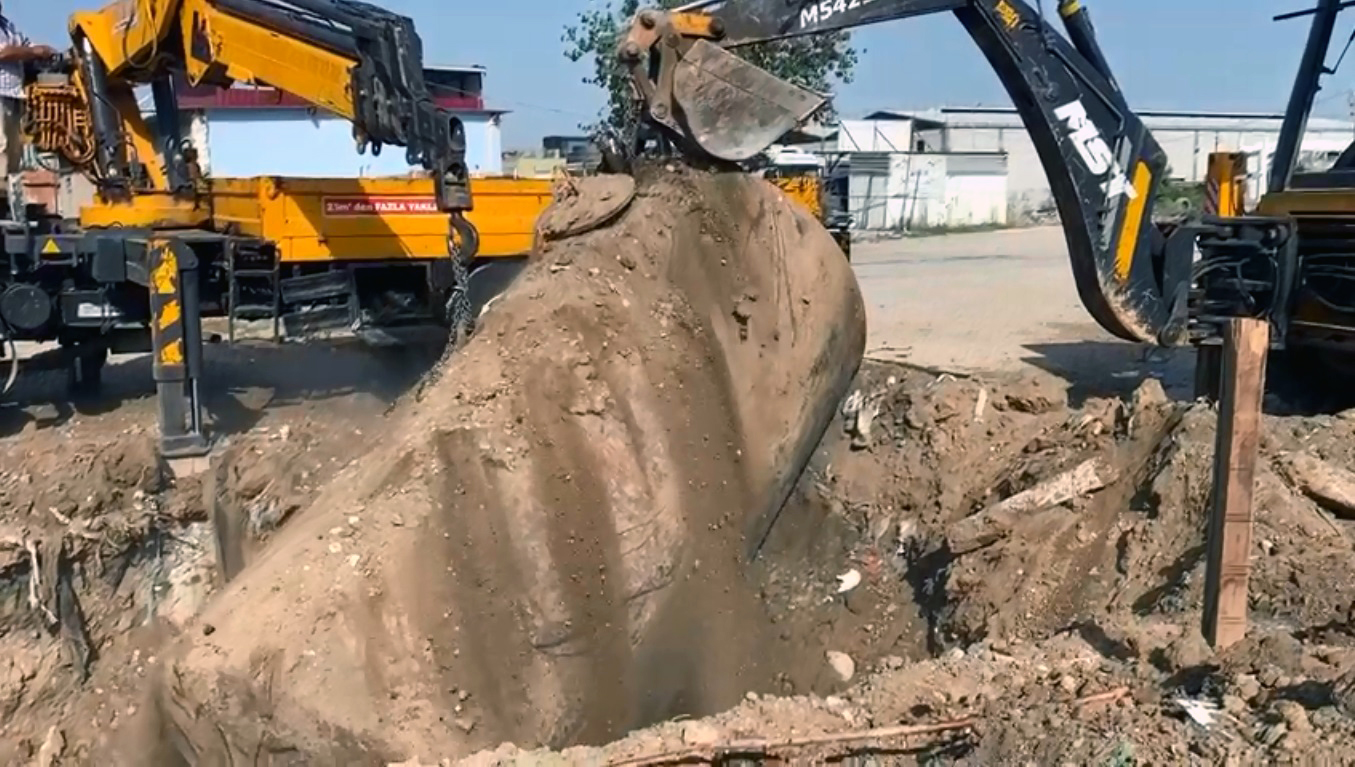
(1103, 165)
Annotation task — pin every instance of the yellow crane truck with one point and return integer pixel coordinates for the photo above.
(161, 246)
(801, 177)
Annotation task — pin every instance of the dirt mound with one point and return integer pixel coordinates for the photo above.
(1116, 527)
(101, 552)
(104, 554)
(546, 542)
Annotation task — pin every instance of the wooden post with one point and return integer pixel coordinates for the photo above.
(1242, 384)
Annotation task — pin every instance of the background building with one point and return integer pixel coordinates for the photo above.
(911, 145)
(558, 154)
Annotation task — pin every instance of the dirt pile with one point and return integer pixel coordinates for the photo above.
(545, 543)
(102, 554)
(1056, 557)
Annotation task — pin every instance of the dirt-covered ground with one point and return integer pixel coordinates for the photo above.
(124, 551)
(974, 570)
(1063, 633)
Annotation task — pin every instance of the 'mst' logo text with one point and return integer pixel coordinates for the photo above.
(1093, 150)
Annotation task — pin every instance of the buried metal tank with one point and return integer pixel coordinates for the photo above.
(546, 543)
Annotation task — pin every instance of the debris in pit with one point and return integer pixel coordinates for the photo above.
(53, 746)
(1034, 395)
(858, 415)
(1201, 711)
(991, 524)
(1331, 487)
(848, 581)
(743, 313)
(73, 627)
(910, 739)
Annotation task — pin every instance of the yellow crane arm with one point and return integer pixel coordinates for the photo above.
(352, 59)
(213, 46)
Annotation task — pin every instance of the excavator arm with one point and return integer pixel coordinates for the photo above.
(1104, 167)
(348, 58)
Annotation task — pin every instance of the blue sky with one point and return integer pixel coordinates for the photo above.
(1172, 54)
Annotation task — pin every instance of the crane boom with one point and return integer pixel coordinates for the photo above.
(352, 59)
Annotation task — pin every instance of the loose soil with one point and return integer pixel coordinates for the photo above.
(124, 551)
(1071, 638)
(898, 608)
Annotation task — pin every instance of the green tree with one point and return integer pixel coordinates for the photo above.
(815, 62)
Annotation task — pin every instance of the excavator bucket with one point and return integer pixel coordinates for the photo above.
(733, 110)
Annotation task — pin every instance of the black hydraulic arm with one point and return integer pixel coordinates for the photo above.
(1306, 85)
(1102, 164)
(352, 58)
(390, 99)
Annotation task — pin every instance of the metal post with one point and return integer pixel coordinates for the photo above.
(176, 336)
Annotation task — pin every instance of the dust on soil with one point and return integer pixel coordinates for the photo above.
(1068, 636)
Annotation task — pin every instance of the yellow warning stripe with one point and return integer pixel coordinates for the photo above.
(172, 353)
(170, 314)
(1133, 220)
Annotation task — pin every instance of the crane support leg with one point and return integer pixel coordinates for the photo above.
(176, 342)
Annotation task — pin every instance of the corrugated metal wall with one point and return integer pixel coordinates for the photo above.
(908, 191)
(875, 136)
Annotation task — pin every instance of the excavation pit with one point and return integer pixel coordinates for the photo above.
(973, 559)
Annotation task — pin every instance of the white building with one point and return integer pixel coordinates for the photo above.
(1187, 138)
(913, 191)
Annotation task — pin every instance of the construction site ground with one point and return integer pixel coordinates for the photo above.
(996, 556)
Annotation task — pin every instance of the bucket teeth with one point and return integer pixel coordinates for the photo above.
(732, 109)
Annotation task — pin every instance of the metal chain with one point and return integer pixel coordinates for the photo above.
(458, 300)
